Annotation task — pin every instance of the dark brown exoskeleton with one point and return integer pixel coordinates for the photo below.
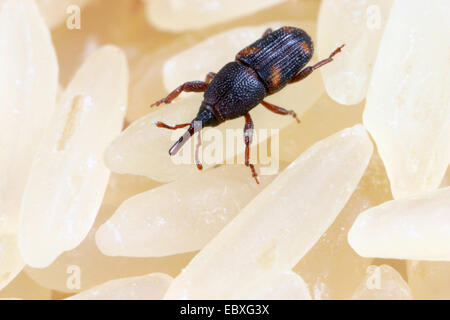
(261, 69)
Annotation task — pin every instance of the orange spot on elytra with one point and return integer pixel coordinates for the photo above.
(305, 47)
(275, 76)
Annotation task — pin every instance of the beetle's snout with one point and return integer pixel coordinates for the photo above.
(204, 118)
(185, 137)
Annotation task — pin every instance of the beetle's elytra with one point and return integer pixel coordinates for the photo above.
(261, 69)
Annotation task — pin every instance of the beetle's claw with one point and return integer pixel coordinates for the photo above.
(254, 174)
(160, 124)
(335, 52)
(294, 115)
(157, 103)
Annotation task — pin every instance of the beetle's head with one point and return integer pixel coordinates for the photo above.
(204, 118)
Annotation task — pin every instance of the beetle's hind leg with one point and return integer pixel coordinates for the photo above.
(280, 110)
(308, 70)
(248, 136)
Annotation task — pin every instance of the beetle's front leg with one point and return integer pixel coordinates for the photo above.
(280, 110)
(191, 86)
(248, 136)
(308, 70)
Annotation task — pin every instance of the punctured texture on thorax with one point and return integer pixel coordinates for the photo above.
(234, 91)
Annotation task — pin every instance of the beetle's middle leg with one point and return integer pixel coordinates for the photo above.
(248, 136)
(280, 110)
(308, 70)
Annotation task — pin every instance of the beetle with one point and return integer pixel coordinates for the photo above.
(259, 70)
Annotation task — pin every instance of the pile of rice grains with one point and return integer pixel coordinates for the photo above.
(352, 203)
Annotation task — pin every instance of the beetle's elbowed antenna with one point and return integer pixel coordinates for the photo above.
(204, 118)
(185, 137)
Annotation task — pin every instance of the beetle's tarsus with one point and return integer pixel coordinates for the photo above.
(296, 118)
(335, 52)
(254, 174)
(191, 86)
(157, 103)
(308, 70)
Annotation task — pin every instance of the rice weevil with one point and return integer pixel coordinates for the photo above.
(259, 70)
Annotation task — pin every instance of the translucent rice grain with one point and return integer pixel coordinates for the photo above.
(28, 86)
(146, 77)
(277, 228)
(22, 287)
(359, 25)
(382, 283)
(416, 228)
(178, 217)
(124, 186)
(10, 260)
(143, 148)
(408, 103)
(323, 119)
(429, 280)
(332, 269)
(182, 15)
(123, 24)
(68, 179)
(149, 287)
(92, 268)
(446, 181)
(55, 11)
(276, 285)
